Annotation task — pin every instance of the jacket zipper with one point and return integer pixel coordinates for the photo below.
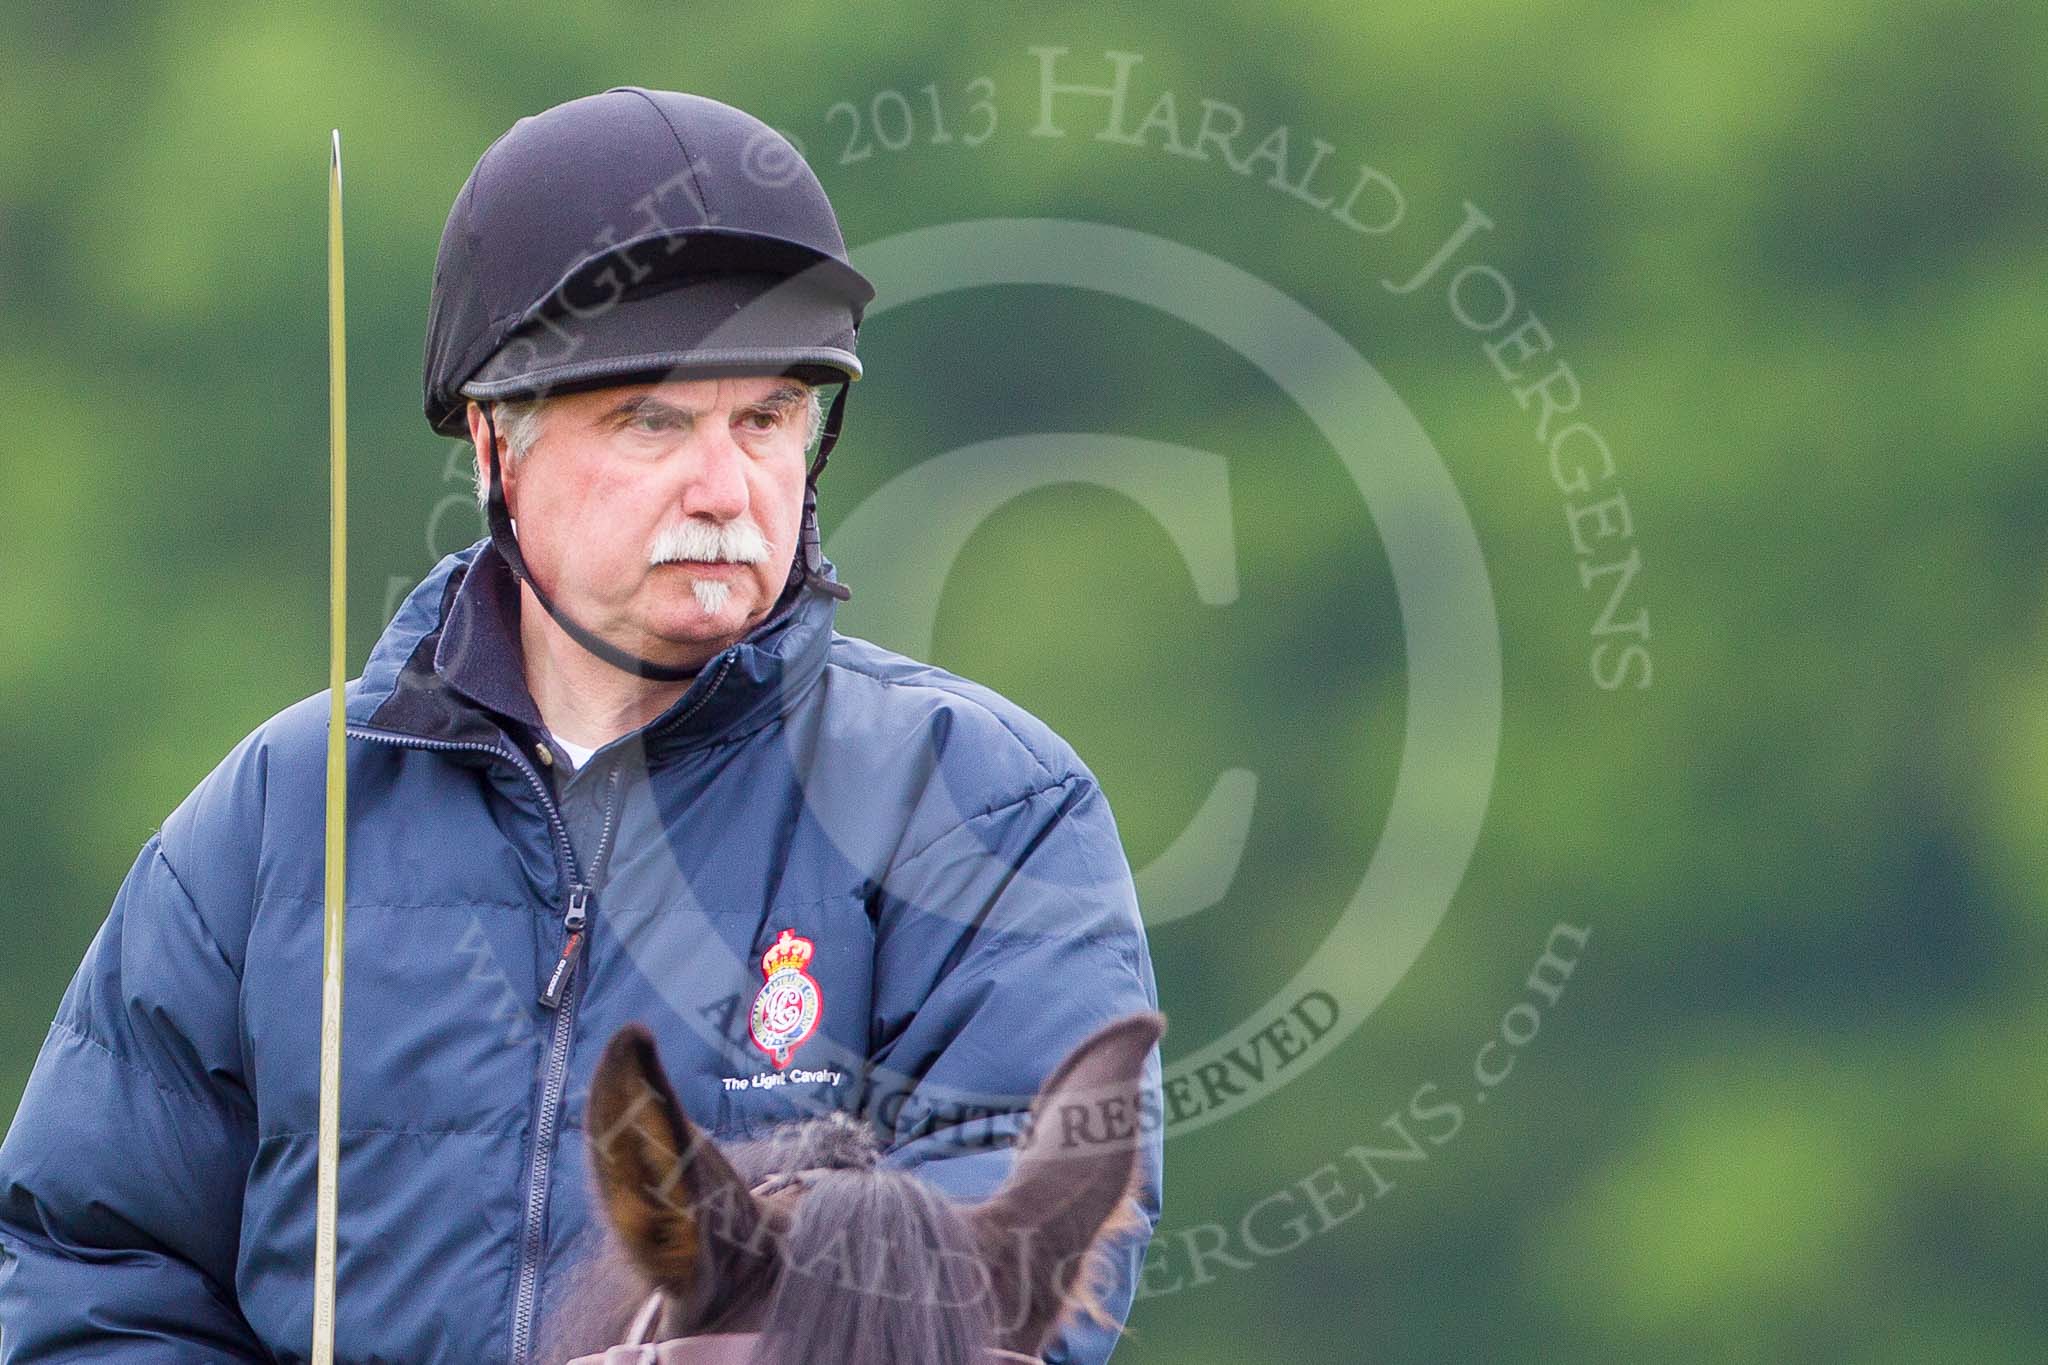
(562, 984)
(563, 851)
(541, 1161)
(724, 667)
(573, 920)
(560, 994)
(576, 918)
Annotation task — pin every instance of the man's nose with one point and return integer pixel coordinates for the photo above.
(717, 487)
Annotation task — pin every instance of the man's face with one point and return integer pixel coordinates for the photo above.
(663, 516)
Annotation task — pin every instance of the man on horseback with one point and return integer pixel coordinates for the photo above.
(611, 764)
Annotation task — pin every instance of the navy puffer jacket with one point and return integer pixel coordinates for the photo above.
(951, 861)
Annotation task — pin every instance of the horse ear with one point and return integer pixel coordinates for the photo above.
(1077, 1168)
(683, 1215)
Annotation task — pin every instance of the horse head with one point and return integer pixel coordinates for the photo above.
(800, 1248)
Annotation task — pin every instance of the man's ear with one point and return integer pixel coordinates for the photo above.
(1070, 1190)
(683, 1215)
(479, 441)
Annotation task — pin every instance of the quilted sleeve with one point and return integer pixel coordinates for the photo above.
(121, 1177)
(1003, 944)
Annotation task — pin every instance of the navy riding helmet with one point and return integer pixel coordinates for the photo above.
(633, 235)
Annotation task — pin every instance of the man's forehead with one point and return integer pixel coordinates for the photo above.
(698, 395)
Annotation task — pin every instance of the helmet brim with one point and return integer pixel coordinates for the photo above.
(690, 305)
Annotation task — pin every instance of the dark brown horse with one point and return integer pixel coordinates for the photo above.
(799, 1249)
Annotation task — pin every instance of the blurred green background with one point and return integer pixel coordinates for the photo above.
(1791, 1104)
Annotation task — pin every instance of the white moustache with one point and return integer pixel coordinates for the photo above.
(738, 542)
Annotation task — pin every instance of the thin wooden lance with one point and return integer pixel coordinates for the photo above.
(337, 782)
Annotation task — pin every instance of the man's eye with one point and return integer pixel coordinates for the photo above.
(764, 420)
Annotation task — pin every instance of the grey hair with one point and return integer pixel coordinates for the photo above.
(518, 421)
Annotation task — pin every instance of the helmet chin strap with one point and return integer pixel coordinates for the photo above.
(809, 564)
(807, 567)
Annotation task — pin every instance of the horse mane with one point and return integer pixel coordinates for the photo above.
(802, 1238)
(870, 1255)
(835, 1141)
(880, 1258)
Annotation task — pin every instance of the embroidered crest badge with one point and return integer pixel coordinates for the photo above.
(787, 1006)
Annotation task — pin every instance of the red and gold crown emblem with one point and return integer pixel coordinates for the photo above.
(787, 954)
(787, 1007)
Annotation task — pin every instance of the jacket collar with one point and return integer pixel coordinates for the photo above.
(449, 667)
